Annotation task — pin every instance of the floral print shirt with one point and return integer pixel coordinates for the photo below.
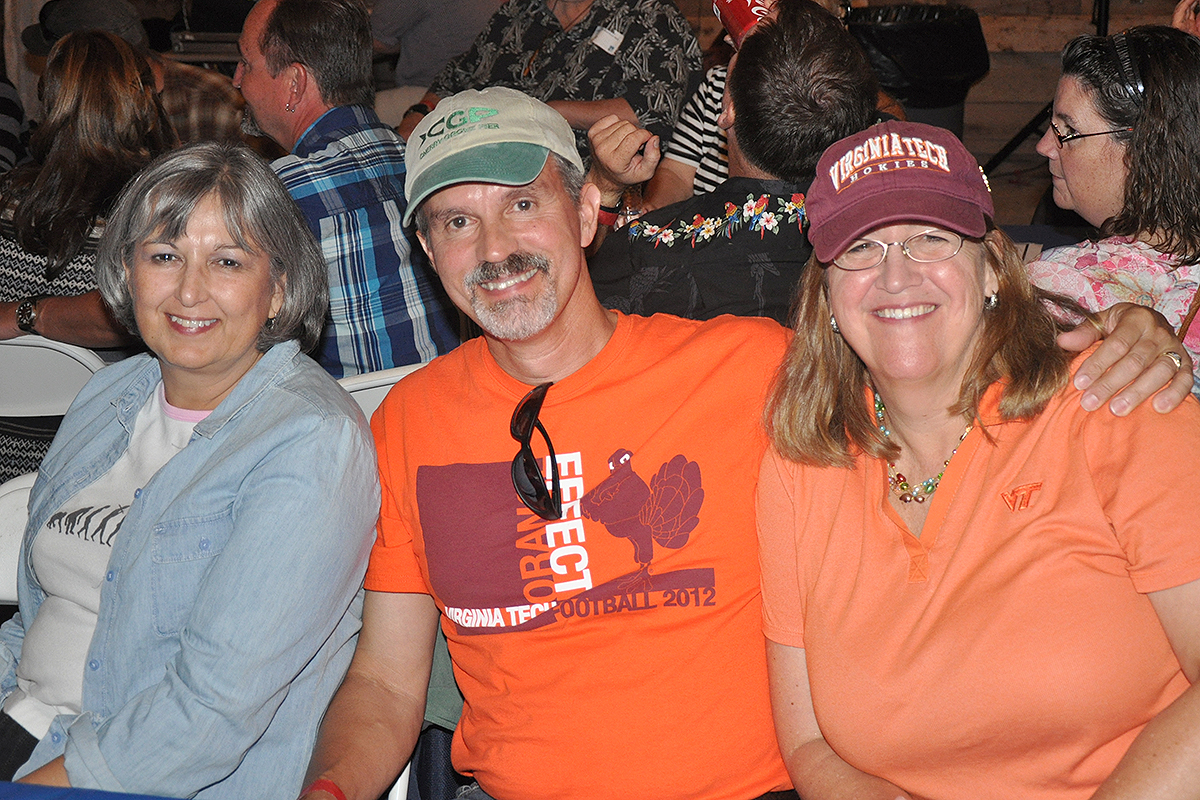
(1122, 270)
(736, 250)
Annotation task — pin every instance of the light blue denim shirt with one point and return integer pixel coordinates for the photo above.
(232, 601)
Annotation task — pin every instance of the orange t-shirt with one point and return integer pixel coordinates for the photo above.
(617, 652)
(1010, 651)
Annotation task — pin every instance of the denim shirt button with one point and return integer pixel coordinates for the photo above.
(111, 574)
(204, 544)
(137, 493)
(56, 737)
(94, 665)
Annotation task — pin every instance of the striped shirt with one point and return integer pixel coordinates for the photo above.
(387, 307)
(697, 141)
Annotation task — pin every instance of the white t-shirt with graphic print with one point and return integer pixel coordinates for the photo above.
(70, 558)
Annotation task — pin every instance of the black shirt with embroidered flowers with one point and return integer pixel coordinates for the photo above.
(738, 250)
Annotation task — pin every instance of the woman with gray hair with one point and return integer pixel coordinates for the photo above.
(199, 530)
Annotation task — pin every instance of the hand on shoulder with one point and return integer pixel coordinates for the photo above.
(1131, 365)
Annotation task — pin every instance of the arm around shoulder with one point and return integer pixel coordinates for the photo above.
(1129, 366)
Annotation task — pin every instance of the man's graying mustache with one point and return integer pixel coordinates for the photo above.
(515, 264)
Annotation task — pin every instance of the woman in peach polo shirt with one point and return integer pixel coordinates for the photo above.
(972, 587)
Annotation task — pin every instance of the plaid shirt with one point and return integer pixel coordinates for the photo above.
(202, 104)
(387, 307)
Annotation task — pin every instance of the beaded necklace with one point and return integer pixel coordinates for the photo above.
(896, 480)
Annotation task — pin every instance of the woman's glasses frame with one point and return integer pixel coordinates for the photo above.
(904, 245)
(528, 479)
(1070, 137)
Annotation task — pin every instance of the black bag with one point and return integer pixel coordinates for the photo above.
(926, 56)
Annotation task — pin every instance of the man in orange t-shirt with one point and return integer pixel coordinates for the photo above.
(609, 644)
(617, 646)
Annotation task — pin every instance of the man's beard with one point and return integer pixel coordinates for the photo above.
(516, 318)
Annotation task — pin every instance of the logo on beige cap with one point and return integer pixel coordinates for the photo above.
(455, 123)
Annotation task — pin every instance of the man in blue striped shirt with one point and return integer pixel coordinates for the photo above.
(305, 72)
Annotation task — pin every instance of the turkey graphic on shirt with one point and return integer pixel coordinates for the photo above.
(663, 512)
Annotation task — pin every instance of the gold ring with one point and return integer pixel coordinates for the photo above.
(1175, 358)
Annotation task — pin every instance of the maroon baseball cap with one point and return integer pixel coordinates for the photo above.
(895, 172)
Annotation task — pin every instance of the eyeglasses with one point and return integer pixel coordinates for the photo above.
(1073, 136)
(527, 475)
(925, 247)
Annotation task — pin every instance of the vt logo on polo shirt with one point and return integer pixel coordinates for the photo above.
(1017, 499)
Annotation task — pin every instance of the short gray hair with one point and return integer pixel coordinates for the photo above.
(258, 212)
(572, 179)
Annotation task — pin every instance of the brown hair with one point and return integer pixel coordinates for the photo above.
(800, 84)
(817, 412)
(103, 123)
(1162, 159)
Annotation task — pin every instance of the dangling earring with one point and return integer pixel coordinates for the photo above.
(288, 108)
(991, 302)
(833, 324)
(269, 324)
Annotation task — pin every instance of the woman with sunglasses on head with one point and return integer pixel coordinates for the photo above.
(971, 586)
(1124, 156)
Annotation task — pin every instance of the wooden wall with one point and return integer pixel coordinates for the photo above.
(1023, 26)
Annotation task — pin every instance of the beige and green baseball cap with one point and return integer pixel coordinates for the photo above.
(497, 135)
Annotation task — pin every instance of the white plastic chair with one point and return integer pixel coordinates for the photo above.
(40, 377)
(369, 388)
(399, 790)
(14, 511)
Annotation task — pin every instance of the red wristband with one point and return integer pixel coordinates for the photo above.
(608, 215)
(325, 785)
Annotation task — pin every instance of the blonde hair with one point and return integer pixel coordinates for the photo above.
(817, 411)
